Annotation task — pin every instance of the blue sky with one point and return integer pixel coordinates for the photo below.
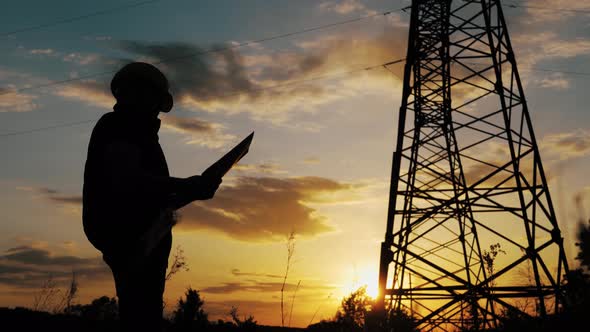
(325, 144)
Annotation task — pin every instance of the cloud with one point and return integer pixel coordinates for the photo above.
(264, 208)
(270, 86)
(221, 309)
(555, 10)
(238, 273)
(252, 208)
(555, 81)
(44, 51)
(199, 131)
(568, 145)
(494, 154)
(98, 38)
(12, 101)
(43, 190)
(311, 160)
(95, 93)
(490, 153)
(553, 46)
(547, 45)
(27, 266)
(68, 203)
(478, 162)
(78, 58)
(55, 196)
(190, 125)
(41, 257)
(346, 7)
(66, 199)
(261, 168)
(257, 287)
(233, 287)
(84, 59)
(196, 75)
(343, 7)
(477, 171)
(581, 195)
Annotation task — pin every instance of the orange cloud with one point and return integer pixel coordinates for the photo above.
(200, 132)
(258, 286)
(261, 168)
(96, 93)
(311, 160)
(12, 101)
(253, 208)
(555, 81)
(238, 273)
(263, 209)
(568, 145)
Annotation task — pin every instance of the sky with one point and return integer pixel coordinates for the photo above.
(324, 112)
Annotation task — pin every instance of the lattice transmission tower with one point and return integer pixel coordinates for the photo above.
(471, 230)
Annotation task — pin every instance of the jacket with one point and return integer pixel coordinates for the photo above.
(126, 180)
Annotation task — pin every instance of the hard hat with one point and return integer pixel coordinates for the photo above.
(141, 75)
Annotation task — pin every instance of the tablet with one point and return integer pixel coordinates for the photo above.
(225, 163)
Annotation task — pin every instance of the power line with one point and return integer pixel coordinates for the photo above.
(34, 130)
(514, 5)
(536, 69)
(559, 71)
(76, 18)
(52, 83)
(307, 80)
(212, 50)
(142, 3)
(293, 83)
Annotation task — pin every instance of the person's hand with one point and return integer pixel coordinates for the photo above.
(203, 187)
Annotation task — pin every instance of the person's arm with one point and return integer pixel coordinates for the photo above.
(205, 189)
(122, 160)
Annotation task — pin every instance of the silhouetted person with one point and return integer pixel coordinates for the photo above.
(127, 188)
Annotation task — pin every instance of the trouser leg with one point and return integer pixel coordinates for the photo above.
(140, 290)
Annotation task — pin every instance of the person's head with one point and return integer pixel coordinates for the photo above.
(141, 87)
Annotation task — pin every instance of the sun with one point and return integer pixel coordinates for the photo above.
(372, 288)
(366, 277)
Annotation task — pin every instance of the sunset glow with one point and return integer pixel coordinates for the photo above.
(324, 110)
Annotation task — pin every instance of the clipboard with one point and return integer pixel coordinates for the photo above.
(225, 163)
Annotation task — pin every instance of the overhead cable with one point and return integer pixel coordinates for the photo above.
(76, 18)
(211, 50)
(293, 83)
